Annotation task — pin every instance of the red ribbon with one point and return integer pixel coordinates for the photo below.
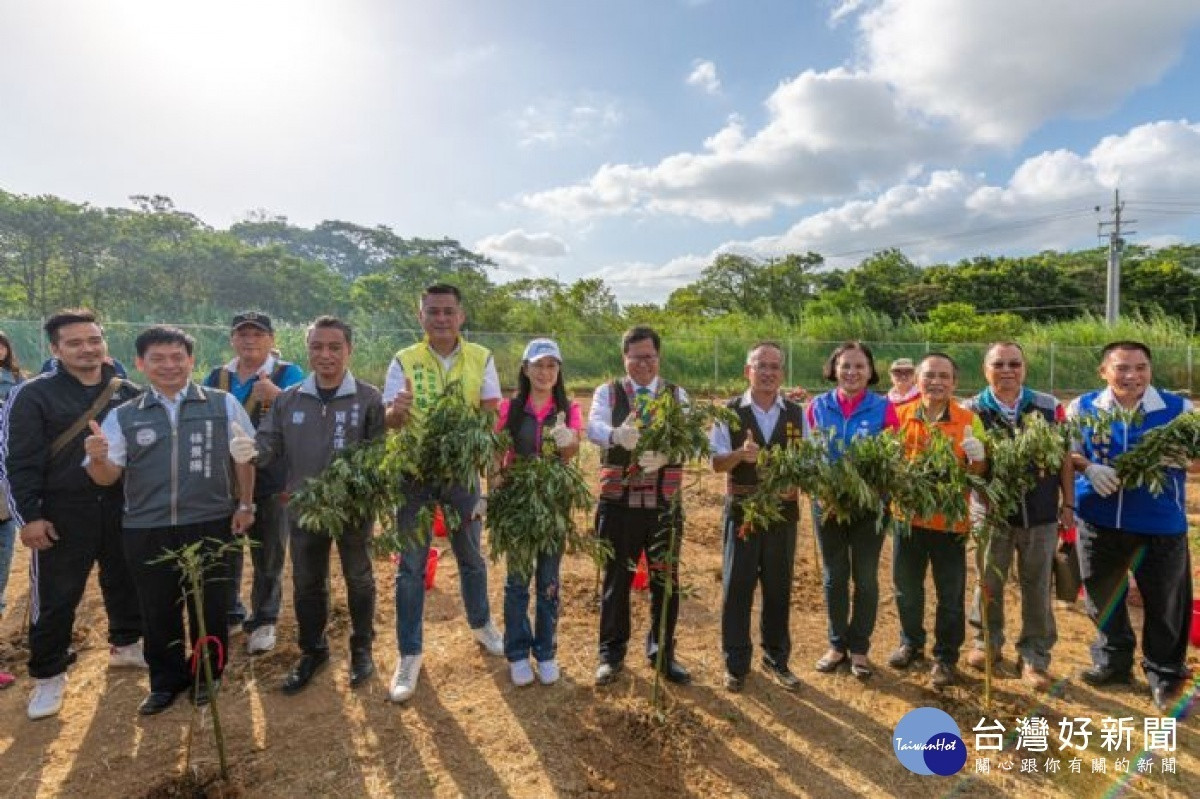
(199, 647)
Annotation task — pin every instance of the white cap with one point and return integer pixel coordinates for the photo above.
(541, 348)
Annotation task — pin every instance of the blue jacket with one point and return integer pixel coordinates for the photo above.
(1131, 510)
(868, 419)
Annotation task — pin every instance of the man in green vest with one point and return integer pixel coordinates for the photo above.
(415, 378)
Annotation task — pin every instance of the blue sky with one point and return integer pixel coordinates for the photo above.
(628, 140)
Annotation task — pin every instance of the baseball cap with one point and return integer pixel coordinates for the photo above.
(259, 320)
(902, 365)
(541, 348)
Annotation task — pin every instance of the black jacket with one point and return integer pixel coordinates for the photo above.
(36, 413)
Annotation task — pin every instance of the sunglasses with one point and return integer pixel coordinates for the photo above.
(1009, 364)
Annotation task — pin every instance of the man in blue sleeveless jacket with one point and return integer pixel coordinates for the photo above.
(1122, 529)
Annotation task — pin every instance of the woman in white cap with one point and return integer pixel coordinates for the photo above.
(540, 411)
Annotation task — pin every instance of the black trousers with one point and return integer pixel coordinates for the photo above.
(632, 531)
(89, 532)
(160, 591)
(766, 558)
(310, 581)
(1162, 566)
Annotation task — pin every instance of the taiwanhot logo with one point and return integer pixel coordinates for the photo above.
(927, 741)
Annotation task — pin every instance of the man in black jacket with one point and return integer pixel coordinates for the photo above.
(68, 521)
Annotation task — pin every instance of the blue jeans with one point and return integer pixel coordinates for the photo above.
(913, 554)
(850, 552)
(519, 638)
(410, 577)
(8, 537)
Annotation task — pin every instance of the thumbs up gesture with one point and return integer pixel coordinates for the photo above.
(264, 389)
(972, 447)
(96, 445)
(563, 436)
(241, 446)
(749, 450)
(402, 402)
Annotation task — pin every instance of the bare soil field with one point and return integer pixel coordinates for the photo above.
(470, 732)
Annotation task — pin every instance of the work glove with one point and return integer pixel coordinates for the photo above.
(241, 446)
(1103, 478)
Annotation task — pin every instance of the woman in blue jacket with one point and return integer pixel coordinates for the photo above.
(850, 550)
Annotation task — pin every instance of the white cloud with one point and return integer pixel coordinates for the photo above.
(938, 80)
(587, 120)
(830, 134)
(704, 77)
(646, 282)
(1047, 203)
(998, 70)
(521, 244)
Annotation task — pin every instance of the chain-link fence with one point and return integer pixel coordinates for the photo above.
(699, 364)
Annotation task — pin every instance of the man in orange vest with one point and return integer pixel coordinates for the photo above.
(934, 542)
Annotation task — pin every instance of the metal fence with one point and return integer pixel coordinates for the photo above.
(699, 364)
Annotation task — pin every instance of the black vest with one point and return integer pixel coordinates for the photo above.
(789, 427)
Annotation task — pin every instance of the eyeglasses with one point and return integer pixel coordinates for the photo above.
(1009, 364)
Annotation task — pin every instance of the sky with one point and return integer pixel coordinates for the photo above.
(633, 140)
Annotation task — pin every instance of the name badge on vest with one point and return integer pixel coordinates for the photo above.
(145, 437)
(297, 417)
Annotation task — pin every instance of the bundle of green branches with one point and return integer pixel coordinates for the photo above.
(933, 482)
(448, 447)
(781, 470)
(353, 488)
(1174, 444)
(1017, 459)
(533, 512)
(678, 431)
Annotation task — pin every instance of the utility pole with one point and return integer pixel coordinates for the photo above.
(1112, 294)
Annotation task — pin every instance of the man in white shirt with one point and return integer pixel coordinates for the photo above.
(635, 512)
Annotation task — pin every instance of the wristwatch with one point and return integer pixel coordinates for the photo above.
(244, 508)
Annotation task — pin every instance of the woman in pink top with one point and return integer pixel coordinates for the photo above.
(541, 420)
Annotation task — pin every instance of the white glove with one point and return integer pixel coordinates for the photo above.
(1103, 478)
(563, 436)
(480, 509)
(241, 446)
(651, 462)
(972, 447)
(626, 436)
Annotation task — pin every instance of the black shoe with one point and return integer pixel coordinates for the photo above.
(734, 683)
(310, 663)
(676, 673)
(201, 695)
(156, 702)
(905, 656)
(361, 667)
(607, 672)
(781, 675)
(1105, 675)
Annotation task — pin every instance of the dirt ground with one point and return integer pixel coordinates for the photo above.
(470, 732)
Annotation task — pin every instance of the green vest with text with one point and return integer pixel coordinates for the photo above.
(429, 378)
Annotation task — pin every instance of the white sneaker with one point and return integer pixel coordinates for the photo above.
(490, 638)
(521, 672)
(130, 656)
(261, 640)
(404, 679)
(548, 672)
(47, 697)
